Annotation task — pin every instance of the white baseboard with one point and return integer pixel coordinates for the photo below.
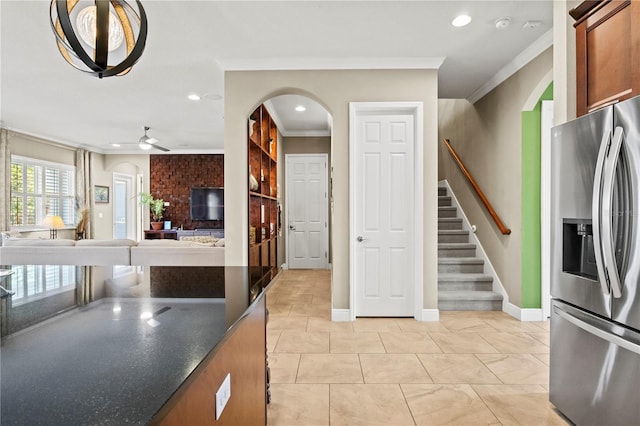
(344, 315)
(526, 314)
(429, 315)
(285, 266)
(341, 315)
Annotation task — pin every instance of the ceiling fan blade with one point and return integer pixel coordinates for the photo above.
(161, 148)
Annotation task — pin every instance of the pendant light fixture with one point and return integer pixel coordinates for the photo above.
(100, 37)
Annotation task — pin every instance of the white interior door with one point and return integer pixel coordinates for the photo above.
(307, 209)
(384, 210)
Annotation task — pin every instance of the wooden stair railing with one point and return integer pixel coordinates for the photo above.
(474, 184)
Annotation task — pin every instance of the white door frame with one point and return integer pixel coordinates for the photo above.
(415, 109)
(131, 207)
(545, 208)
(325, 157)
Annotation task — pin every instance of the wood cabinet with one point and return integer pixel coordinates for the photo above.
(160, 235)
(264, 211)
(242, 356)
(607, 52)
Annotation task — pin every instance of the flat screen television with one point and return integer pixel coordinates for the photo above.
(207, 204)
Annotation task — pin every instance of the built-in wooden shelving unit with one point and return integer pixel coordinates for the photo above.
(263, 190)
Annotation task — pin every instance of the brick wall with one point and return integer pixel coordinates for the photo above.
(173, 176)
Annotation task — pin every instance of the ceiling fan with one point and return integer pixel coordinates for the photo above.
(147, 142)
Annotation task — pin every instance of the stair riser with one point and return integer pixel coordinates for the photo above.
(464, 269)
(446, 212)
(475, 288)
(444, 202)
(470, 305)
(453, 238)
(450, 225)
(451, 252)
(465, 286)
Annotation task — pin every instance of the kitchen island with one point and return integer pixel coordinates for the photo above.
(143, 360)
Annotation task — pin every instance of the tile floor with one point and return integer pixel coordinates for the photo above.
(471, 368)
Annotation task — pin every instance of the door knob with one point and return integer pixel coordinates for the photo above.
(360, 239)
(292, 227)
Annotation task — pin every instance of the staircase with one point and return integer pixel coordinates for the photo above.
(462, 283)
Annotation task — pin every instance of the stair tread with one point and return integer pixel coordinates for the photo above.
(456, 245)
(468, 295)
(450, 219)
(447, 207)
(462, 276)
(452, 232)
(460, 261)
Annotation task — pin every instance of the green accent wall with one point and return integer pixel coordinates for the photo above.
(531, 226)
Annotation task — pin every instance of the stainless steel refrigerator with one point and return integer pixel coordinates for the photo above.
(595, 267)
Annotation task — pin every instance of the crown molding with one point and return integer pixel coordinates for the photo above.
(533, 51)
(286, 133)
(288, 64)
(307, 134)
(16, 132)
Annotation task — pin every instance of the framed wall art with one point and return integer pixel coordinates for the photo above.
(101, 194)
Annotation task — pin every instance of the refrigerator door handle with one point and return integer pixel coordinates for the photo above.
(611, 271)
(596, 213)
(602, 334)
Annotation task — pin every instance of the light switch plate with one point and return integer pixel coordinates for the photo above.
(222, 395)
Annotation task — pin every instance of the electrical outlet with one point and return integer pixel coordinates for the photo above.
(223, 395)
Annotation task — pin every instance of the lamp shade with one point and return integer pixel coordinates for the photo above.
(100, 37)
(53, 222)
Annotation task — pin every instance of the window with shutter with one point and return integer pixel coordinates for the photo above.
(39, 188)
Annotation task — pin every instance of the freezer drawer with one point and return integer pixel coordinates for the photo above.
(595, 368)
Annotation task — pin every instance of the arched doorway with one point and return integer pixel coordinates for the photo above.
(303, 183)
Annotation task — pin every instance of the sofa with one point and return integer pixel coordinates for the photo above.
(24, 251)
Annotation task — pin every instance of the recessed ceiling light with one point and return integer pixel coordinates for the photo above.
(503, 23)
(115, 145)
(300, 108)
(461, 20)
(194, 97)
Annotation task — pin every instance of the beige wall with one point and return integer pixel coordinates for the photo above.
(244, 91)
(32, 147)
(487, 137)
(104, 168)
(303, 145)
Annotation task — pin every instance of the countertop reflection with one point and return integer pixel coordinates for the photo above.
(118, 360)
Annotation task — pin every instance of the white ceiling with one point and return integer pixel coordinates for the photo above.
(191, 42)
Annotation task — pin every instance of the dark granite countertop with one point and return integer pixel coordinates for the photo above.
(114, 361)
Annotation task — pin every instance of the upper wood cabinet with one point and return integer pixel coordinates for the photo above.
(607, 52)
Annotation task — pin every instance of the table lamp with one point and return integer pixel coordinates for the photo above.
(53, 223)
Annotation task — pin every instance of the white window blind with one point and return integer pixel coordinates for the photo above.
(39, 188)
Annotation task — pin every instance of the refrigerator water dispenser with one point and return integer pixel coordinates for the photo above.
(578, 257)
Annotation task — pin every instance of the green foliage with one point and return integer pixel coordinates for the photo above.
(156, 205)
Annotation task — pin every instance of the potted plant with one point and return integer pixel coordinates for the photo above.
(156, 207)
